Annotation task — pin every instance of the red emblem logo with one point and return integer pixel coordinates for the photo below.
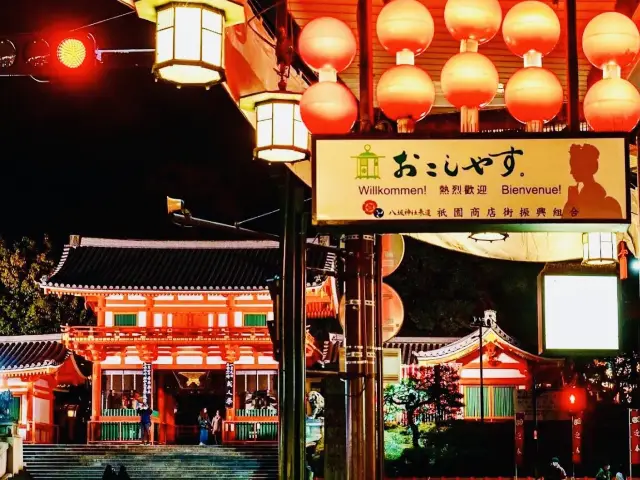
(369, 207)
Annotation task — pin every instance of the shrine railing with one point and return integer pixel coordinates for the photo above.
(41, 433)
(157, 335)
(235, 431)
(119, 430)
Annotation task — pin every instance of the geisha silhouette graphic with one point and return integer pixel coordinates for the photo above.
(588, 199)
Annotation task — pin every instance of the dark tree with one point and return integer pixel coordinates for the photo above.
(443, 290)
(24, 307)
(614, 380)
(430, 392)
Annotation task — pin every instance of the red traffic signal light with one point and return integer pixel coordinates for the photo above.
(56, 56)
(72, 55)
(574, 399)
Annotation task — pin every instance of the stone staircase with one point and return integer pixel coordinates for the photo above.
(88, 462)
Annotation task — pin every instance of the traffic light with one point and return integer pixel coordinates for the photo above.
(58, 56)
(574, 399)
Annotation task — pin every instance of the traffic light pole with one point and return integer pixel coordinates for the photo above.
(292, 324)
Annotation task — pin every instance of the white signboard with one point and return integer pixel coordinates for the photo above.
(580, 313)
(539, 183)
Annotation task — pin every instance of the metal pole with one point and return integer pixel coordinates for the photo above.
(573, 79)
(481, 375)
(573, 465)
(292, 377)
(361, 340)
(379, 358)
(535, 422)
(354, 358)
(371, 353)
(630, 449)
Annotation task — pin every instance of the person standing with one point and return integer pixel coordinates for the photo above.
(217, 428)
(604, 473)
(145, 421)
(556, 472)
(204, 424)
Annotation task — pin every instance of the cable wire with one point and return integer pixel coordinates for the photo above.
(115, 17)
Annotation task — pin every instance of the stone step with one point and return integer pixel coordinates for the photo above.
(87, 462)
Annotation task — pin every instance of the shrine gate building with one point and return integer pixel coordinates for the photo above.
(183, 324)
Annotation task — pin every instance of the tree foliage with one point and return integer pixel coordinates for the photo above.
(443, 290)
(614, 380)
(24, 307)
(427, 392)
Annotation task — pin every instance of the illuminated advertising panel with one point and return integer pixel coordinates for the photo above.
(579, 313)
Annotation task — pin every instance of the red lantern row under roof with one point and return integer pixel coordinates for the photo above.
(531, 30)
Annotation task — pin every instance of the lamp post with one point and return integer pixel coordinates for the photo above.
(190, 38)
(482, 323)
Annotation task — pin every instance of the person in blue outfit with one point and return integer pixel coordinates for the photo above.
(145, 421)
(204, 424)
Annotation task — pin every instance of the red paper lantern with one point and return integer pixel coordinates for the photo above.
(328, 108)
(533, 93)
(612, 105)
(327, 42)
(405, 91)
(477, 20)
(469, 79)
(405, 25)
(611, 38)
(531, 25)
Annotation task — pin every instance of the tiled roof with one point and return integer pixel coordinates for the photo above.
(409, 346)
(467, 341)
(102, 264)
(31, 351)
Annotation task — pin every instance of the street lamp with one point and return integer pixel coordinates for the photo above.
(483, 322)
(281, 136)
(599, 248)
(190, 38)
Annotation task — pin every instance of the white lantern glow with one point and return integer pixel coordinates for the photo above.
(281, 136)
(190, 38)
(489, 236)
(599, 248)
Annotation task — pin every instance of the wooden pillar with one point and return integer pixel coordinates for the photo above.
(231, 308)
(101, 310)
(30, 424)
(96, 390)
(162, 409)
(148, 307)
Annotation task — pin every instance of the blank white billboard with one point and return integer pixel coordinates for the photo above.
(581, 312)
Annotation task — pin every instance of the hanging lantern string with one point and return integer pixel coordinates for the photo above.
(623, 252)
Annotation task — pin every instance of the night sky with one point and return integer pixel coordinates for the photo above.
(100, 161)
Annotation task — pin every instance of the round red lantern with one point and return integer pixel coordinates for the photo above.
(469, 79)
(533, 93)
(327, 43)
(328, 108)
(612, 105)
(477, 20)
(531, 26)
(405, 91)
(405, 25)
(611, 38)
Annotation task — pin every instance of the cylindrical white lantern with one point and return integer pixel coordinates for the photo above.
(599, 248)
(190, 38)
(281, 136)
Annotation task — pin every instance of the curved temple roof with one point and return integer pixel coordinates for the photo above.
(137, 265)
(34, 354)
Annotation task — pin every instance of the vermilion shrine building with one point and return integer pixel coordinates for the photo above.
(191, 317)
(194, 315)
